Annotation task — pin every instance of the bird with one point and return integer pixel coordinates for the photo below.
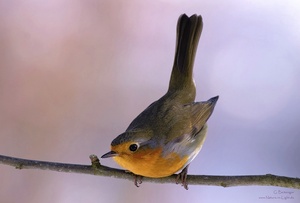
(164, 138)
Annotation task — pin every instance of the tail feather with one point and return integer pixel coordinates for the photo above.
(188, 34)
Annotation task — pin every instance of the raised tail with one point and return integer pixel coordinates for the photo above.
(188, 34)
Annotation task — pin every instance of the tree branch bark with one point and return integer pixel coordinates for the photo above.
(97, 169)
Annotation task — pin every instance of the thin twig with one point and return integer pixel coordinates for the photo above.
(97, 169)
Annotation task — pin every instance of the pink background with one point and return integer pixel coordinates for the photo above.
(73, 74)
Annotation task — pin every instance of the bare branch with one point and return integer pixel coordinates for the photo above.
(97, 169)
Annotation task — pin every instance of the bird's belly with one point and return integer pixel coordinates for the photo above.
(153, 165)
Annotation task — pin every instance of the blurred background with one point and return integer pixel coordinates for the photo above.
(74, 74)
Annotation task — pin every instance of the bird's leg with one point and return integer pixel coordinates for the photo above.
(182, 176)
(138, 180)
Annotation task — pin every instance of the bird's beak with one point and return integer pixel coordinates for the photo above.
(109, 154)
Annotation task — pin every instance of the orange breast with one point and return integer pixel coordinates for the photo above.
(152, 164)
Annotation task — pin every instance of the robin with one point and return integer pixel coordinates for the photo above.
(169, 133)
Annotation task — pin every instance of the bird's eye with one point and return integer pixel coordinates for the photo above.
(133, 147)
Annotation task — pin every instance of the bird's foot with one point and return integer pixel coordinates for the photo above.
(182, 176)
(138, 180)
